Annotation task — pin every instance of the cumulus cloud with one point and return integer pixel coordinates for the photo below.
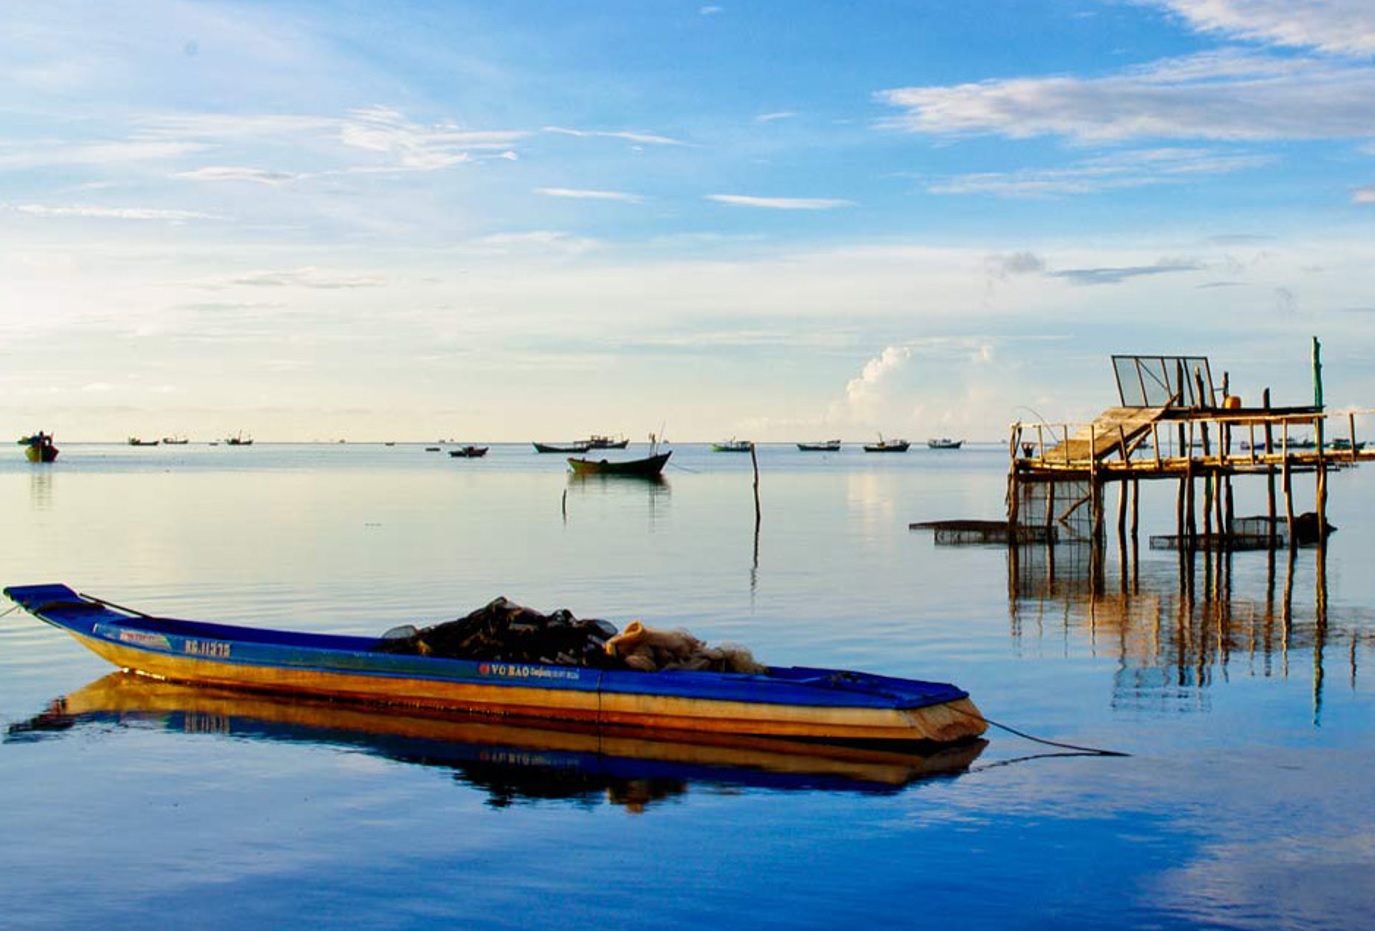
(1229, 95)
(1333, 26)
(580, 194)
(1007, 265)
(780, 203)
(865, 393)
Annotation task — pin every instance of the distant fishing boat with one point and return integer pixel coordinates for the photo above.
(39, 447)
(649, 467)
(820, 446)
(581, 446)
(732, 445)
(135, 441)
(944, 442)
(887, 446)
(174, 441)
(238, 440)
(469, 452)
(600, 441)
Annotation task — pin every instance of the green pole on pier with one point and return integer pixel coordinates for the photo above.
(1317, 374)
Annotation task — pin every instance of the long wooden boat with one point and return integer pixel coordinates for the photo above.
(605, 441)
(788, 702)
(732, 446)
(944, 442)
(643, 468)
(581, 446)
(536, 758)
(820, 446)
(39, 447)
(469, 452)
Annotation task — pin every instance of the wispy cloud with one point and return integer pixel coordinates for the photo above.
(1334, 26)
(113, 213)
(780, 203)
(307, 277)
(580, 194)
(226, 173)
(1093, 276)
(1227, 95)
(638, 137)
(774, 117)
(1363, 195)
(49, 153)
(1114, 172)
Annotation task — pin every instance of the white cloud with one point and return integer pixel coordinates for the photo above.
(305, 278)
(780, 203)
(580, 194)
(1335, 26)
(225, 173)
(774, 117)
(1115, 172)
(1226, 95)
(1364, 195)
(645, 138)
(112, 213)
(865, 394)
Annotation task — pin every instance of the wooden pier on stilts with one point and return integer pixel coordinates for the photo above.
(1174, 424)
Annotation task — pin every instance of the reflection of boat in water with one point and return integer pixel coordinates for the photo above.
(469, 452)
(782, 701)
(38, 447)
(649, 467)
(511, 761)
(820, 446)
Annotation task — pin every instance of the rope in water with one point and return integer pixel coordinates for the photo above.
(1092, 751)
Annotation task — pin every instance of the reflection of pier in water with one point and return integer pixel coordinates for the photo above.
(1179, 625)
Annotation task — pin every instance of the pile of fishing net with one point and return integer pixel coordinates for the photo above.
(505, 632)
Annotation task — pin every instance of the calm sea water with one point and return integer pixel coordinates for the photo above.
(1242, 692)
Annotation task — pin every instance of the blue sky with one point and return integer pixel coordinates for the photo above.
(777, 220)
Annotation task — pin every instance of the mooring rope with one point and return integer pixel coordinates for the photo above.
(1089, 751)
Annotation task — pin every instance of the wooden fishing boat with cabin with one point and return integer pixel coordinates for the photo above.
(788, 702)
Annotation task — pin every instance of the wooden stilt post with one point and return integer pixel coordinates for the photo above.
(1270, 471)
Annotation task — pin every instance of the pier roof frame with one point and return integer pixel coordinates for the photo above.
(1164, 381)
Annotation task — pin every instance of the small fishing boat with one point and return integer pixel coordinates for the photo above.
(581, 446)
(39, 447)
(469, 452)
(136, 441)
(732, 445)
(174, 441)
(820, 446)
(944, 442)
(887, 446)
(786, 702)
(600, 441)
(649, 467)
(238, 439)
